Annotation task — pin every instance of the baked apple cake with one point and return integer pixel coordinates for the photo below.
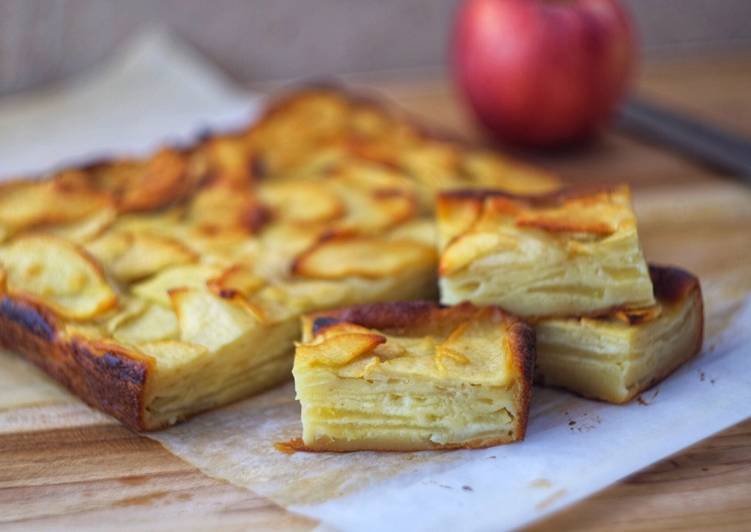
(616, 356)
(160, 287)
(567, 253)
(413, 375)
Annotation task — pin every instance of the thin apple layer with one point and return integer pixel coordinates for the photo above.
(616, 356)
(571, 253)
(411, 376)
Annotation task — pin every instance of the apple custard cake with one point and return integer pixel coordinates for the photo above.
(160, 287)
(413, 375)
(615, 356)
(571, 252)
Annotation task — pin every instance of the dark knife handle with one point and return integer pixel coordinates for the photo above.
(696, 139)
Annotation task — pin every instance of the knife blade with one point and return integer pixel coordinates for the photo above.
(690, 136)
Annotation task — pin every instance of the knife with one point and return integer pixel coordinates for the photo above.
(694, 138)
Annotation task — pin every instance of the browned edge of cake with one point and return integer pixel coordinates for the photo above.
(105, 375)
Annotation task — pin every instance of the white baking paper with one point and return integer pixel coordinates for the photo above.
(157, 91)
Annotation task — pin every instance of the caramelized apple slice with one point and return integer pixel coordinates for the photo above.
(130, 256)
(85, 229)
(361, 256)
(299, 201)
(191, 276)
(208, 320)
(229, 158)
(57, 274)
(238, 279)
(490, 169)
(143, 185)
(466, 248)
(377, 210)
(28, 204)
(227, 207)
(338, 346)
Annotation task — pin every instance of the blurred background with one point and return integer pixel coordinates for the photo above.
(42, 41)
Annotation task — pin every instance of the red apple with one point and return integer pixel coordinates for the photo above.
(543, 72)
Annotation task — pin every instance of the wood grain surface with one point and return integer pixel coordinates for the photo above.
(88, 472)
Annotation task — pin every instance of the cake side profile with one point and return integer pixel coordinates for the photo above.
(412, 376)
(571, 252)
(160, 287)
(616, 356)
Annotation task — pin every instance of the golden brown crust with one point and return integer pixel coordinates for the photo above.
(106, 377)
(395, 315)
(672, 285)
(525, 355)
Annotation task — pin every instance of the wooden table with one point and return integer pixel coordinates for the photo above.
(94, 474)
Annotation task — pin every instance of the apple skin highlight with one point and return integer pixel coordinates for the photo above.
(543, 73)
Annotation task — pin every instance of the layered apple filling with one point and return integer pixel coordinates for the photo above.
(573, 253)
(410, 376)
(616, 356)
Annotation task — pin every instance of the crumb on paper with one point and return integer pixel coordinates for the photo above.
(467, 488)
(550, 499)
(290, 447)
(642, 400)
(584, 425)
(540, 483)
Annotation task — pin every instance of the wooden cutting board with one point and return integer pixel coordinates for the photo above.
(87, 471)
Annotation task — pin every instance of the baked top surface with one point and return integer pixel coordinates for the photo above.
(418, 340)
(475, 223)
(325, 202)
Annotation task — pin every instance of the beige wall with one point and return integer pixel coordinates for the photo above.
(45, 40)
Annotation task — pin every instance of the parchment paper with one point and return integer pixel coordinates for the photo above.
(156, 90)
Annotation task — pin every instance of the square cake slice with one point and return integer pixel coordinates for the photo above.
(574, 252)
(616, 356)
(412, 376)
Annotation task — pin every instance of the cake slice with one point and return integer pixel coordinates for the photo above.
(616, 356)
(573, 252)
(413, 375)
